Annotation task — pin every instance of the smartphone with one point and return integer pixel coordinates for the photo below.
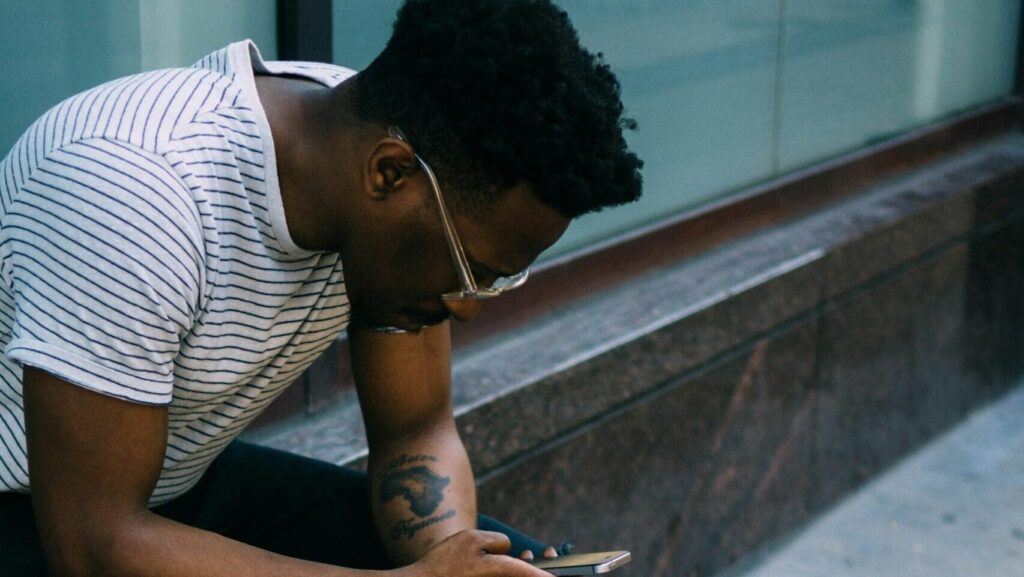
(584, 564)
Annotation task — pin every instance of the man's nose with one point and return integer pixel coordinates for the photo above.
(463, 310)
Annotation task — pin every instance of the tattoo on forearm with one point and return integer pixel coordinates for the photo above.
(420, 487)
(409, 527)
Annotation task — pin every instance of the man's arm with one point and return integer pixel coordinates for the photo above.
(422, 487)
(94, 461)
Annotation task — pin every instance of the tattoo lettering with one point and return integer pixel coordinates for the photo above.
(419, 486)
(408, 460)
(409, 527)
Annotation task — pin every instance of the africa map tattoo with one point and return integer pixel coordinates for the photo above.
(420, 487)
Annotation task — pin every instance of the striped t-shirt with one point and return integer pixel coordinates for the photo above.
(145, 256)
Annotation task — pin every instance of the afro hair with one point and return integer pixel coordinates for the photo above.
(497, 92)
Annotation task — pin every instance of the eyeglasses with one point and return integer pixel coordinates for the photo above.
(470, 289)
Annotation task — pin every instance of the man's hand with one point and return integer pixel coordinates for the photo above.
(473, 554)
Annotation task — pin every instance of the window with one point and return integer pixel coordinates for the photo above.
(52, 50)
(730, 93)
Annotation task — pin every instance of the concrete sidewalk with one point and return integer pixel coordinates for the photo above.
(955, 508)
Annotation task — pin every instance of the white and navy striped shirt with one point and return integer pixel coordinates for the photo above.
(145, 256)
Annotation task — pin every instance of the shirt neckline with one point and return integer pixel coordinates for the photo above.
(246, 62)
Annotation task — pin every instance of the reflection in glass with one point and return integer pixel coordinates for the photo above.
(699, 78)
(52, 50)
(180, 32)
(857, 72)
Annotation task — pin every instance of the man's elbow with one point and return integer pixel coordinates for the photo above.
(95, 549)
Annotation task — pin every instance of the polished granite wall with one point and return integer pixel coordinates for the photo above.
(920, 319)
(703, 410)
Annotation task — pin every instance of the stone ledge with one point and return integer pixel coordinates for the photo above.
(528, 388)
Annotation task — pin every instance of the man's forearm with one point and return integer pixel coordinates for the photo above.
(152, 546)
(422, 492)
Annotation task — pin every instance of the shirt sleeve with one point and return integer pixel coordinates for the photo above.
(103, 257)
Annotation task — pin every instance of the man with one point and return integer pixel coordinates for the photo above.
(178, 246)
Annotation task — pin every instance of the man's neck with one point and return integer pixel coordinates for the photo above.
(316, 161)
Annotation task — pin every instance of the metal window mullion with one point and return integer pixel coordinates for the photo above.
(304, 30)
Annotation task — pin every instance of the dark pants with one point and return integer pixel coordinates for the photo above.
(270, 499)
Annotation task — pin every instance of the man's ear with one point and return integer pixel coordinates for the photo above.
(388, 167)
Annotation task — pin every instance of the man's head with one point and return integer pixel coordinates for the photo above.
(522, 126)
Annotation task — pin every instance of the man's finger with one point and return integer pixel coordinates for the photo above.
(494, 543)
(549, 553)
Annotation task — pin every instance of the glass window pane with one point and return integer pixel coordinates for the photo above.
(179, 32)
(361, 28)
(52, 50)
(965, 55)
(699, 77)
(859, 71)
(847, 75)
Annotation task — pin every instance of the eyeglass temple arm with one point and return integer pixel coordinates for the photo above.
(454, 244)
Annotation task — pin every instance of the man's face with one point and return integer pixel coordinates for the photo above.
(399, 281)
